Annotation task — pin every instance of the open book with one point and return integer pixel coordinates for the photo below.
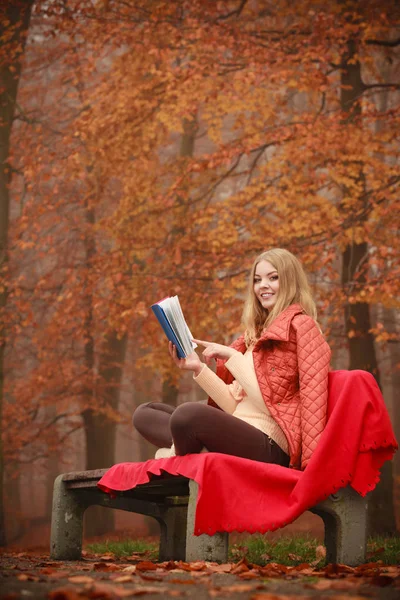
(170, 316)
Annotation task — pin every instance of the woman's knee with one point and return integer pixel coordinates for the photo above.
(141, 414)
(186, 415)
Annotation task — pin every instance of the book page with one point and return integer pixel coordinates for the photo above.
(178, 315)
(173, 311)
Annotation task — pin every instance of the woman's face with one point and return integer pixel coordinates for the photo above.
(266, 284)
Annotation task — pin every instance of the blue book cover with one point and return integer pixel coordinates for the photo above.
(169, 332)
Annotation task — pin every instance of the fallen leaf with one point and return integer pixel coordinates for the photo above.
(27, 577)
(393, 570)
(251, 574)
(345, 597)
(106, 567)
(268, 596)
(303, 569)
(320, 554)
(80, 579)
(273, 570)
(64, 593)
(59, 575)
(334, 584)
(182, 581)
(151, 577)
(136, 556)
(266, 557)
(146, 565)
(295, 557)
(181, 571)
(46, 571)
(107, 557)
(169, 565)
(129, 569)
(240, 567)
(103, 591)
(223, 568)
(333, 570)
(106, 591)
(194, 566)
(123, 579)
(231, 589)
(372, 566)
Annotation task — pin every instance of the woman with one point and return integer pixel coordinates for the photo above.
(268, 399)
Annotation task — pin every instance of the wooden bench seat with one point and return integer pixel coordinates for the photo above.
(171, 500)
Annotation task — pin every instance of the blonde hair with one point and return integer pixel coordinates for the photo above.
(293, 289)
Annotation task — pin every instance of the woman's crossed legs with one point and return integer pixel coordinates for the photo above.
(193, 425)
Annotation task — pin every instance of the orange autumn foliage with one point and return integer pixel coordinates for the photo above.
(109, 216)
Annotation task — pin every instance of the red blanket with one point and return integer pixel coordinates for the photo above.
(237, 494)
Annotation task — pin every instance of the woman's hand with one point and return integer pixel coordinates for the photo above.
(213, 350)
(190, 363)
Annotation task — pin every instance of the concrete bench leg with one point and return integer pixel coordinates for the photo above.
(203, 547)
(173, 531)
(66, 523)
(345, 519)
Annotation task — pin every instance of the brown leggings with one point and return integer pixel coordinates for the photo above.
(193, 425)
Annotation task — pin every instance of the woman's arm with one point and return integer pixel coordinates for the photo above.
(242, 368)
(220, 392)
(214, 351)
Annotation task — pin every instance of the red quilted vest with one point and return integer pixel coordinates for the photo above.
(291, 361)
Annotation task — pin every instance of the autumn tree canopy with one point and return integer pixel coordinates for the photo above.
(292, 116)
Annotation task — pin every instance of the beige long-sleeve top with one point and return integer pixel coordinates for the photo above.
(242, 398)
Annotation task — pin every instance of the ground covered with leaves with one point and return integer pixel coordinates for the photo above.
(109, 577)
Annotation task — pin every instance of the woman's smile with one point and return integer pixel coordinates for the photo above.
(266, 284)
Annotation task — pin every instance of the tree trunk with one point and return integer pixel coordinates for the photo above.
(52, 470)
(390, 320)
(145, 450)
(357, 315)
(15, 524)
(17, 15)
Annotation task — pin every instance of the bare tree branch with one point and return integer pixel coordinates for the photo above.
(235, 12)
(387, 43)
(370, 86)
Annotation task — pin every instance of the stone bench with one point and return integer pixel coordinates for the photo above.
(171, 500)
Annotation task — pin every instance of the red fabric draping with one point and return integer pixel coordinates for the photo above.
(237, 494)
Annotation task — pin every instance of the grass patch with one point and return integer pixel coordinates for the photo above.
(294, 550)
(122, 548)
(260, 550)
(385, 549)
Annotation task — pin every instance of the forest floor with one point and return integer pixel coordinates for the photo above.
(33, 575)
(28, 573)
